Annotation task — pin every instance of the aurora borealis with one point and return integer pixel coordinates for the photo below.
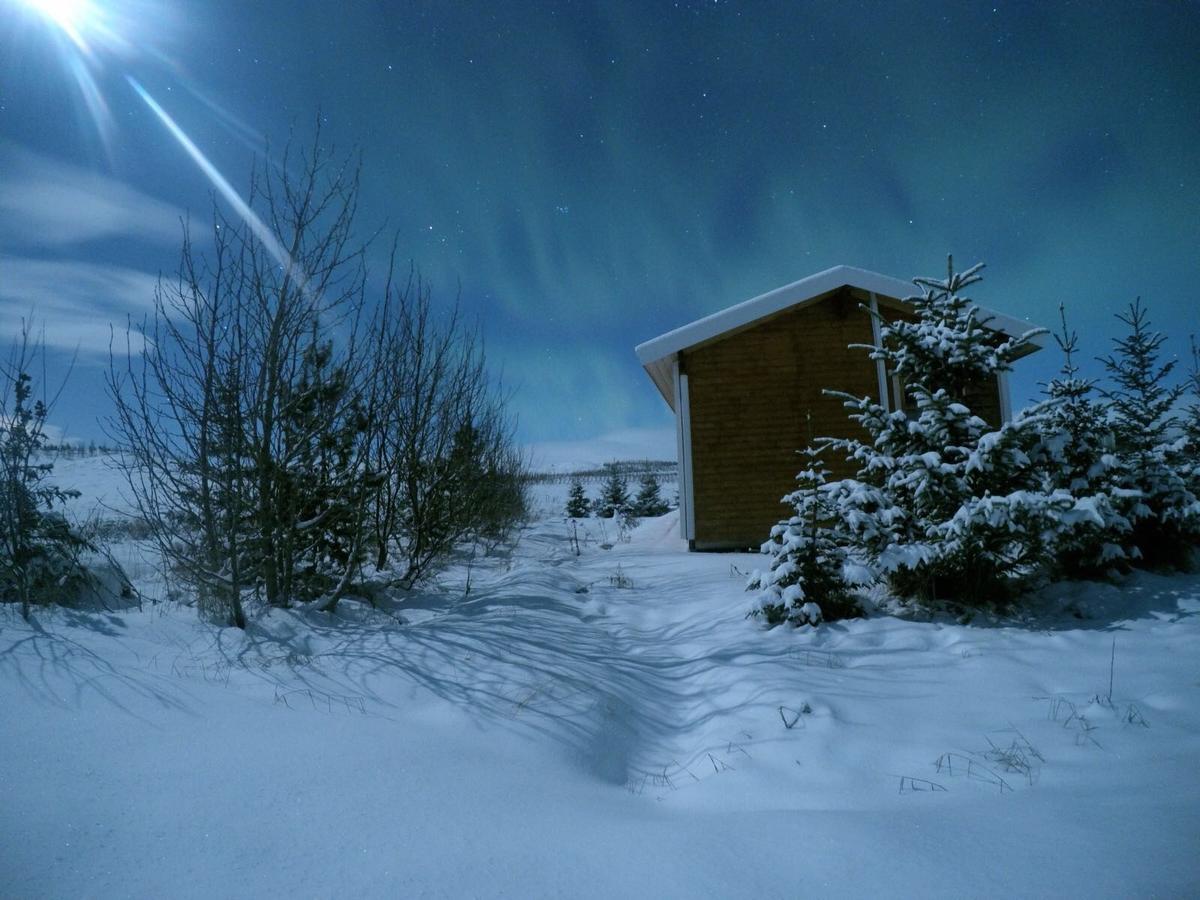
(589, 175)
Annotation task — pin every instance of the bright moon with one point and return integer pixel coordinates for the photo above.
(69, 15)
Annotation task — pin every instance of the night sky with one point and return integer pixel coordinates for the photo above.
(592, 175)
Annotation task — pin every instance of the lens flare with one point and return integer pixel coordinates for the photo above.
(71, 16)
(222, 185)
(98, 32)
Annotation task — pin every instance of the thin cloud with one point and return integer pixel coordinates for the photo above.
(47, 203)
(74, 305)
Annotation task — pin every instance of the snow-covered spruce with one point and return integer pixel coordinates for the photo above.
(1154, 462)
(614, 494)
(1188, 446)
(805, 583)
(942, 506)
(42, 556)
(1077, 454)
(649, 503)
(578, 505)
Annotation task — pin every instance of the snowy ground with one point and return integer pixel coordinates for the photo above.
(597, 726)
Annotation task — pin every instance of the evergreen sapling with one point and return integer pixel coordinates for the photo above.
(40, 553)
(1189, 447)
(614, 494)
(1191, 422)
(649, 502)
(805, 583)
(1166, 513)
(578, 505)
(1076, 452)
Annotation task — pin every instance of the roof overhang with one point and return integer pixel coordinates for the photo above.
(659, 354)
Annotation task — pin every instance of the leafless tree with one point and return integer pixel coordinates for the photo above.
(244, 341)
(442, 441)
(275, 433)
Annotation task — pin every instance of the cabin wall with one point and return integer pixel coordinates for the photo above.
(750, 392)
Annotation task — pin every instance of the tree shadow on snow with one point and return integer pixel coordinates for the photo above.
(60, 671)
(519, 653)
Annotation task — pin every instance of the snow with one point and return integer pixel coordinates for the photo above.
(602, 725)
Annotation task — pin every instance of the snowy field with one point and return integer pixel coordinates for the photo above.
(601, 725)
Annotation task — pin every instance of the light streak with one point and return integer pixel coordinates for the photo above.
(224, 188)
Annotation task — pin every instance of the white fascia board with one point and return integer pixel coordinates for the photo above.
(683, 438)
(1002, 382)
(880, 367)
(795, 294)
(686, 486)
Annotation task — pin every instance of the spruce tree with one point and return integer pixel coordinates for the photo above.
(1166, 516)
(40, 553)
(614, 494)
(578, 506)
(498, 492)
(1189, 447)
(805, 583)
(1073, 411)
(649, 502)
(320, 486)
(942, 506)
(1076, 453)
(1191, 422)
(1142, 403)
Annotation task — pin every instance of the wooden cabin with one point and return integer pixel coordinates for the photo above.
(743, 381)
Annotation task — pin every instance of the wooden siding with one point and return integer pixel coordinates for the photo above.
(750, 393)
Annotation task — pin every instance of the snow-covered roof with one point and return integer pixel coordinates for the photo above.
(658, 354)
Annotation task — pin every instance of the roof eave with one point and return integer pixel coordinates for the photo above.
(798, 292)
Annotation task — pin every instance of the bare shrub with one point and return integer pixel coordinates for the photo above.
(270, 445)
(441, 441)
